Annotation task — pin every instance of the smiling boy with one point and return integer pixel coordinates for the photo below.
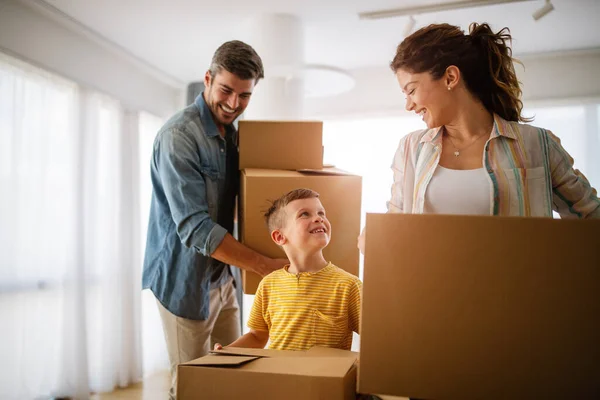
(310, 302)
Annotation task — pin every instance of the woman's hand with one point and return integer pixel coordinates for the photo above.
(361, 240)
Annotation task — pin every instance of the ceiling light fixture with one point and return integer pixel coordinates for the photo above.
(546, 8)
(397, 12)
(410, 26)
(320, 80)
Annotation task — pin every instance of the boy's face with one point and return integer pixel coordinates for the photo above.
(306, 226)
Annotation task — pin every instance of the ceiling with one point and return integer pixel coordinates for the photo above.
(178, 37)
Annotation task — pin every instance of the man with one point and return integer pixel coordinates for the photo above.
(195, 178)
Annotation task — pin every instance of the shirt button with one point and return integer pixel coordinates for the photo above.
(222, 150)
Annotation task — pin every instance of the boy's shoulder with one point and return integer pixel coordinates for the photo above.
(345, 276)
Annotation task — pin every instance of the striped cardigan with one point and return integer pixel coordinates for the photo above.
(530, 174)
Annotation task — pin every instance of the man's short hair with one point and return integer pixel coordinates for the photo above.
(275, 215)
(238, 58)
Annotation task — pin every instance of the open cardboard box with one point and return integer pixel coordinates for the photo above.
(236, 373)
(468, 307)
(339, 191)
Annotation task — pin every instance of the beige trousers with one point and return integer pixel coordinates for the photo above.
(190, 339)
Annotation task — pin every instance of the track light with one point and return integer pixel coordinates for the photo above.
(546, 8)
(410, 26)
(431, 8)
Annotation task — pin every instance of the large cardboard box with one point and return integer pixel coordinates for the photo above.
(458, 307)
(340, 194)
(234, 373)
(288, 145)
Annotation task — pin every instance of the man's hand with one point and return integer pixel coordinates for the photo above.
(232, 252)
(272, 264)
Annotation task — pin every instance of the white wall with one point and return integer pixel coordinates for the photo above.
(546, 77)
(34, 36)
(47, 41)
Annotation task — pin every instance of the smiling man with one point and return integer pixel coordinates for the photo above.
(190, 247)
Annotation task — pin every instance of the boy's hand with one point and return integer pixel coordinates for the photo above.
(218, 346)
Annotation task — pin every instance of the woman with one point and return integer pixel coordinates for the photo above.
(475, 157)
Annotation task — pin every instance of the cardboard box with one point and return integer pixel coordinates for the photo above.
(340, 194)
(458, 307)
(288, 145)
(319, 373)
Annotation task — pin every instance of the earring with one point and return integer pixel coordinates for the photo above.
(449, 88)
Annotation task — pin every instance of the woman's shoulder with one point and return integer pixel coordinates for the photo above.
(413, 139)
(421, 134)
(520, 129)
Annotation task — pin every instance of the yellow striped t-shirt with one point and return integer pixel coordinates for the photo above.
(308, 309)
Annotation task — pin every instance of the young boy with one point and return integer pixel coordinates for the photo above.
(310, 302)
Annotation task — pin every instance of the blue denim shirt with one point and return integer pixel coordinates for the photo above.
(188, 170)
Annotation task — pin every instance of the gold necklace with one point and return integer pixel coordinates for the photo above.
(456, 150)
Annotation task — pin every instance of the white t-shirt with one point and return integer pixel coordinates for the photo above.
(452, 191)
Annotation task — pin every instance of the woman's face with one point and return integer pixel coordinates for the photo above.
(428, 98)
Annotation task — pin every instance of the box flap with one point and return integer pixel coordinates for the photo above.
(319, 351)
(220, 361)
(324, 171)
(261, 172)
(333, 367)
(239, 351)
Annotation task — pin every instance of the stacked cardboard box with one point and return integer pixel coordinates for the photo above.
(278, 156)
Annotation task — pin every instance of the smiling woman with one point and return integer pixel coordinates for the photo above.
(465, 89)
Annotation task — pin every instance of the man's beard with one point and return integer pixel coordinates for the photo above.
(216, 110)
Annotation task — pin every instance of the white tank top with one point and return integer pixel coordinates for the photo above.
(452, 191)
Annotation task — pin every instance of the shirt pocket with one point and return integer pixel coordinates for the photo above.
(329, 331)
(210, 173)
(528, 192)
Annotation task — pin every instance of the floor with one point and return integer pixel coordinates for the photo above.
(155, 387)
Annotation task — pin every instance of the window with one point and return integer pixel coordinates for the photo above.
(66, 238)
(38, 159)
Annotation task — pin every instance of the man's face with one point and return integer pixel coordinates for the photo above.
(227, 95)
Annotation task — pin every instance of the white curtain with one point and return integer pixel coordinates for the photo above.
(69, 238)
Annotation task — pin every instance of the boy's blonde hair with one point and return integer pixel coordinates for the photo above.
(275, 215)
